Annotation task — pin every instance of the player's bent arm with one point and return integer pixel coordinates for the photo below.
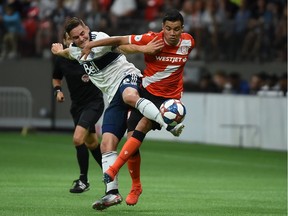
(110, 41)
(57, 49)
(131, 48)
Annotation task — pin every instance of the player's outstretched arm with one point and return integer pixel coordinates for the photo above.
(57, 49)
(153, 47)
(110, 41)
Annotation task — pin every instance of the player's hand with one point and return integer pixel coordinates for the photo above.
(85, 51)
(60, 97)
(154, 46)
(56, 48)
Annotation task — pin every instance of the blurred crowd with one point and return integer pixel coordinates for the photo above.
(260, 83)
(230, 30)
(224, 30)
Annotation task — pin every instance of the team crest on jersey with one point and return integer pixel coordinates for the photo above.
(184, 50)
(85, 78)
(138, 37)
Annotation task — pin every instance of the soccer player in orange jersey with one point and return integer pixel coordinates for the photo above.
(162, 80)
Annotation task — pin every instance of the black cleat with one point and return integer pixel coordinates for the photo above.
(79, 186)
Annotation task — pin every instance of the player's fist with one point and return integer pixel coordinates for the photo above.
(60, 96)
(56, 48)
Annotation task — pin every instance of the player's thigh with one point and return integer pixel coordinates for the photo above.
(115, 117)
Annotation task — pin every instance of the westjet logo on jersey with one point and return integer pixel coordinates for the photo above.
(170, 59)
(90, 68)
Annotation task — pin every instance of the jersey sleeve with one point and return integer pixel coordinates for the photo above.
(101, 49)
(142, 39)
(74, 51)
(101, 35)
(192, 40)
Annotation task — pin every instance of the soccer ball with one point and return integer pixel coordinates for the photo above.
(173, 111)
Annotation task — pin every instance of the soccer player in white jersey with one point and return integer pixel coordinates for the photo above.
(120, 80)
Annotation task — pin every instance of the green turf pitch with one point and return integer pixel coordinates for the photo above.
(36, 172)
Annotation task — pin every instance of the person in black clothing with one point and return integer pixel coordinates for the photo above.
(86, 108)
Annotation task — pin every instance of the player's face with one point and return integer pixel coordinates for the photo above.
(80, 35)
(172, 32)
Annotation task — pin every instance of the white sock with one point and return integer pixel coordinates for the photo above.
(150, 111)
(107, 160)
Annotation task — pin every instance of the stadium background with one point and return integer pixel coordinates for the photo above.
(251, 179)
(241, 39)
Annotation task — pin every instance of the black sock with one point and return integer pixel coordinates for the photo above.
(97, 155)
(114, 191)
(83, 161)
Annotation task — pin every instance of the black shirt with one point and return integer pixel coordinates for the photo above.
(81, 89)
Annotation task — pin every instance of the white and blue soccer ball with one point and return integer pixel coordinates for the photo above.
(173, 111)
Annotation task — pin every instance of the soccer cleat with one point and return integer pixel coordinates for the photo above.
(133, 196)
(107, 201)
(177, 130)
(79, 186)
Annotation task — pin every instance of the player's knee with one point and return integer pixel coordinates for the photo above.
(109, 143)
(78, 140)
(130, 97)
(92, 145)
(91, 141)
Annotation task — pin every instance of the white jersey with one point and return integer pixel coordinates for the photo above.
(105, 68)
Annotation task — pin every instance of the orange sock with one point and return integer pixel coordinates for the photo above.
(134, 168)
(128, 149)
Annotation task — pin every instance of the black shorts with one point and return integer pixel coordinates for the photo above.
(135, 116)
(87, 115)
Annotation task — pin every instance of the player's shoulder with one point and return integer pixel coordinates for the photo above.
(188, 39)
(74, 50)
(143, 38)
(152, 34)
(94, 35)
(187, 36)
(149, 34)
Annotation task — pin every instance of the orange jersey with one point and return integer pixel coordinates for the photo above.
(163, 75)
